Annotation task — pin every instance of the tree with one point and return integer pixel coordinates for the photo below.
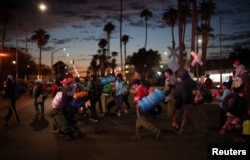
(94, 65)
(41, 38)
(170, 17)
(108, 28)
(60, 69)
(102, 55)
(5, 17)
(206, 11)
(125, 39)
(26, 68)
(183, 13)
(146, 14)
(113, 64)
(145, 60)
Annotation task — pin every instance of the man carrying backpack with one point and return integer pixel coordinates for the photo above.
(95, 90)
(10, 94)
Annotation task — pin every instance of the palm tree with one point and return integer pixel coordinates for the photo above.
(125, 39)
(113, 64)
(205, 32)
(146, 14)
(108, 28)
(5, 17)
(102, 55)
(41, 38)
(183, 13)
(170, 17)
(93, 64)
(206, 10)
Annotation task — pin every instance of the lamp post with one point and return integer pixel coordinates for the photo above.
(52, 54)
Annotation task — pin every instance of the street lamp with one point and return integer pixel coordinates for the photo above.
(52, 53)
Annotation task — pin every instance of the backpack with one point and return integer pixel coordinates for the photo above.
(125, 88)
(19, 90)
(96, 89)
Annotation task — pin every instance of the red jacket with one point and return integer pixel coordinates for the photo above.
(141, 91)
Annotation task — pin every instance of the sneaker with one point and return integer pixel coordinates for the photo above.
(157, 136)
(93, 120)
(175, 125)
(125, 111)
(118, 113)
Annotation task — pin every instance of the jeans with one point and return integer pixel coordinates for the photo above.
(142, 121)
(119, 101)
(104, 98)
(12, 109)
(125, 99)
(190, 115)
(93, 102)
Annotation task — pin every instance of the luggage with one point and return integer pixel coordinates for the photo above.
(63, 127)
(80, 94)
(61, 124)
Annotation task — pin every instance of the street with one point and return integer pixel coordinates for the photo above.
(108, 139)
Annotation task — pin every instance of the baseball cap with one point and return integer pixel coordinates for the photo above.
(236, 62)
(66, 81)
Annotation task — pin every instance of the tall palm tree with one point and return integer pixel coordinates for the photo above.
(146, 14)
(183, 13)
(206, 10)
(41, 38)
(108, 28)
(125, 39)
(102, 55)
(170, 17)
(186, 13)
(205, 32)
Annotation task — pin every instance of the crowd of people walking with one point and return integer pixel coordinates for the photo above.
(73, 95)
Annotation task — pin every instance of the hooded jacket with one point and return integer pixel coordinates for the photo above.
(240, 71)
(185, 92)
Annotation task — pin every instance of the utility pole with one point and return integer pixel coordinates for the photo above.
(220, 54)
(122, 70)
(17, 48)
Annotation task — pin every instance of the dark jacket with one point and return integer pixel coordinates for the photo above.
(185, 89)
(10, 89)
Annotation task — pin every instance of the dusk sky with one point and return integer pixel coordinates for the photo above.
(78, 26)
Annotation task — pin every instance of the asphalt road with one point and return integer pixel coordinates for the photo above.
(109, 139)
